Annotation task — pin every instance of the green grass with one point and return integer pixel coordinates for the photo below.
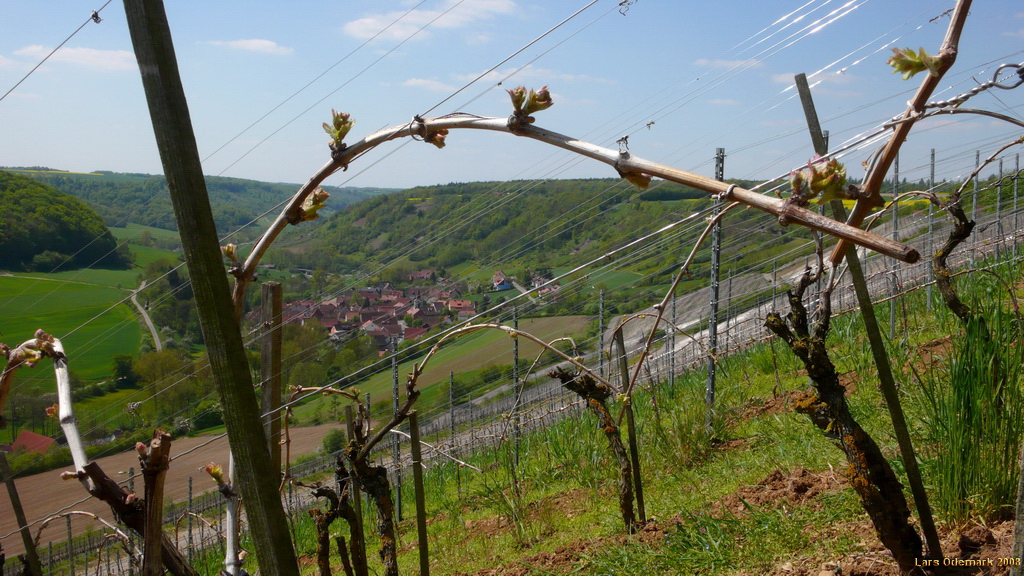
(86, 317)
(610, 280)
(131, 231)
(562, 493)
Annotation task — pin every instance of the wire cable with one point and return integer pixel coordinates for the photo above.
(94, 17)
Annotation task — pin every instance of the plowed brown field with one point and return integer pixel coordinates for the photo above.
(43, 495)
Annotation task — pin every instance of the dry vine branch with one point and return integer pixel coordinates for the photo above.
(880, 167)
(871, 476)
(596, 395)
(133, 554)
(530, 370)
(154, 459)
(353, 552)
(127, 508)
(684, 271)
(461, 463)
(961, 231)
(339, 506)
(622, 161)
(28, 353)
(372, 480)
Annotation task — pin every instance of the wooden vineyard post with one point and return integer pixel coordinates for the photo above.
(19, 516)
(356, 498)
(417, 480)
(634, 452)
(154, 50)
(270, 370)
(155, 459)
(886, 380)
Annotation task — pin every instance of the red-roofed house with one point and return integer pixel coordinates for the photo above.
(32, 442)
(423, 275)
(414, 333)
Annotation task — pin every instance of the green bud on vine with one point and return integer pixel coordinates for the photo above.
(313, 203)
(230, 251)
(215, 471)
(526, 103)
(821, 179)
(341, 124)
(907, 62)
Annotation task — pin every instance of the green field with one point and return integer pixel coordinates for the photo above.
(86, 317)
(471, 352)
(131, 231)
(611, 279)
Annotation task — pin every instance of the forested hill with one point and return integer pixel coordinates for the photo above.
(142, 198)
(501, 225)
(42, 228)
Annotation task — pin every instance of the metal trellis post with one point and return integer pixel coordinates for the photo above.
(517, 386)
(716, 249)
(974, 208)
(931, 229)
(600, 333)
(999, 212)
(895, 236)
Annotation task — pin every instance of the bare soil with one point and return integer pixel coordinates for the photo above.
(45, 494)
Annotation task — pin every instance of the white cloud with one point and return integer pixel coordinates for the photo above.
(432, 85)
(85, 57)
(724, 102)
(1018, 34)
(252, 45)
(720, 63)
(401, 25)
(477, 39)
(8, 64)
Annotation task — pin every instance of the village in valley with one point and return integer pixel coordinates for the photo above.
(392, 314)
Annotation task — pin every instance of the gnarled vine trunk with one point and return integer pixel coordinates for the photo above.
(880, 492)
(596, 396)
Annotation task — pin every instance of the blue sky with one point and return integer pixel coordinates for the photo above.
(681, 78)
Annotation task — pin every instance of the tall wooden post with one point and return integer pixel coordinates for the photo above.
(270, 370)
(19, 516)
(154, 50)
(417, 481)
(396, 447)
(886, 380)
(634, 450)
(356, 496)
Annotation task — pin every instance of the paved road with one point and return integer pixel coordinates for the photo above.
(145, 316)
(524, 290)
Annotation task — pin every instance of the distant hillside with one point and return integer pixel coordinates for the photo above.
(41, 228)
(142, 198)
(512, 225)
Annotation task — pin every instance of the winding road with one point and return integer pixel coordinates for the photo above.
(145, 316)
